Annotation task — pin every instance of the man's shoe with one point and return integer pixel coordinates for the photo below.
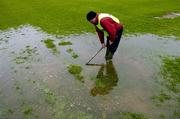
(109, 56)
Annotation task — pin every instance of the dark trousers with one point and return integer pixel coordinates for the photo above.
(111, 49)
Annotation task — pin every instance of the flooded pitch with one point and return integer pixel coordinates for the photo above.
(45, 76)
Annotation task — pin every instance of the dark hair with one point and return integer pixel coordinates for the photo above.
(90, 15)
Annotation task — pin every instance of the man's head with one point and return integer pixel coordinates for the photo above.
(91, 17)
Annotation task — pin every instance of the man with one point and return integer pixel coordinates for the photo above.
(109, 26)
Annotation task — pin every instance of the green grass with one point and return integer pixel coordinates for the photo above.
(65, 43)
(49, 44)
(171, 73)
(76, 71)
(74, 55)
(68, 17)
(162, 97)
(69, 50)
(130, 115)
(6, 112)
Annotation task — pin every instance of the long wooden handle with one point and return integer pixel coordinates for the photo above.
(94, 55)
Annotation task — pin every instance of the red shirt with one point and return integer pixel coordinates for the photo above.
(110, 26)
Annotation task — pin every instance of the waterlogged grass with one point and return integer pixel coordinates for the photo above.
(62, 17)
(171, 80)
(3, 40)
(79, 115)
(171, 73)
(162, 97)
(69, 50)
(76, 71)
(65, 43)
(73, 54)
(23, 105)
(49, 44)
(27, 111)
(50, 96)
(56, 106)
(59, 107)
(25, 55)
(130, 115)
(6, 113)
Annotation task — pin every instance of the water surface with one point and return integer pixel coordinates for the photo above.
(35, 82)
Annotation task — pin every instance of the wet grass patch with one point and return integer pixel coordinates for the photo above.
(162, 97)
(171, 73)
(59, 106)
(73, 54)
(3, 40)
(69, 50)
(171, 85)
(5, 113)
(76, 71)
(18, 88)
(50, 45)
(129, 115)
(50, 97)
(26, 55)
(63, 43)
(27, 111)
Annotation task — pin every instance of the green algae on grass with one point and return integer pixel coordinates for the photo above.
(76, 71)
(171, 73)
(65, 43)
(129, 115)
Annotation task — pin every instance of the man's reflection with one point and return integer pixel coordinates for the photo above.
(106, 79)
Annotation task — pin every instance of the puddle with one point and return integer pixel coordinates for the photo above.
(171, 15)
(36, 83)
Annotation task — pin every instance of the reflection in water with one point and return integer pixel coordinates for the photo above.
(106, 79)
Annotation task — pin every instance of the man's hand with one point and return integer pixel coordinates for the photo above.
(103, 45)
(110, 43)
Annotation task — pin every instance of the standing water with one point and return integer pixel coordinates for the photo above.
(45, 76)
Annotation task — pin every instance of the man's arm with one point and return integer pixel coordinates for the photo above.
(101, 37)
